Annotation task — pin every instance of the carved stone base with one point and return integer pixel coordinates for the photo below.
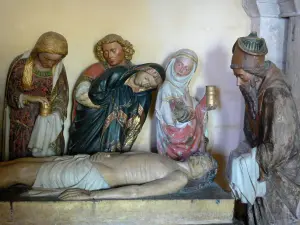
(210, 205)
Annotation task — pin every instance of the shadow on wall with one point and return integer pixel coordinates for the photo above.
(216, 69)
(221, 178)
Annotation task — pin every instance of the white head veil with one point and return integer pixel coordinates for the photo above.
(174, 86)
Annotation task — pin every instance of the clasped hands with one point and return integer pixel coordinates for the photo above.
(183, 113)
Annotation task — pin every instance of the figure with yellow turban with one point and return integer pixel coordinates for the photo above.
(36, 100)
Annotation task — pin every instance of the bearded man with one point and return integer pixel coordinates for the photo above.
(271, 127)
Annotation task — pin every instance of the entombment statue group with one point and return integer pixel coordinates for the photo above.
(110, 103)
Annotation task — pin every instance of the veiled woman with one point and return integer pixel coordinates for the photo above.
(124, 97)
(36, 78)
(179, 115)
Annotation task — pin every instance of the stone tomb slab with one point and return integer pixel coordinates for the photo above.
(210, 205)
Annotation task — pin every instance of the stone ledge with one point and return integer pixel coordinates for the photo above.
(210, 205)
(125, 212)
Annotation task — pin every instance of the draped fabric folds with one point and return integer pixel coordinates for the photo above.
(115, 126)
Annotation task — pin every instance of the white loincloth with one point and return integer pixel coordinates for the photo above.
(70, 172)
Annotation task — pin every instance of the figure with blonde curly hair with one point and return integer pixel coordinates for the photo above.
(113, 40)
(112, 99)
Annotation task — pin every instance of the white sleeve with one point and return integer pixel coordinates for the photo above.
(21, 101)
(81, 89)
(166, 113)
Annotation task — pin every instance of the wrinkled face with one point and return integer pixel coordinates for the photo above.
(247, 85)
(148, 79)
(183, 66)
(242, 77)
(113, 54)
(48, 60)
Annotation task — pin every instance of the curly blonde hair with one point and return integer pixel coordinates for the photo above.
(126, 45)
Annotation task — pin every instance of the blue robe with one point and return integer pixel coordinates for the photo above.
(115, 126)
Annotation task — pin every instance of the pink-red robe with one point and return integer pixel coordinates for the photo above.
(180, 142)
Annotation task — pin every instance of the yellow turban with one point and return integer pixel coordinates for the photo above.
(49, 42)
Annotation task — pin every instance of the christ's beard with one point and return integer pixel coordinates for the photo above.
(251, 99)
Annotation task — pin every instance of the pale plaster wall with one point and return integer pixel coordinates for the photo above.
(155, 28)
(293, 66)
(266, 21)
